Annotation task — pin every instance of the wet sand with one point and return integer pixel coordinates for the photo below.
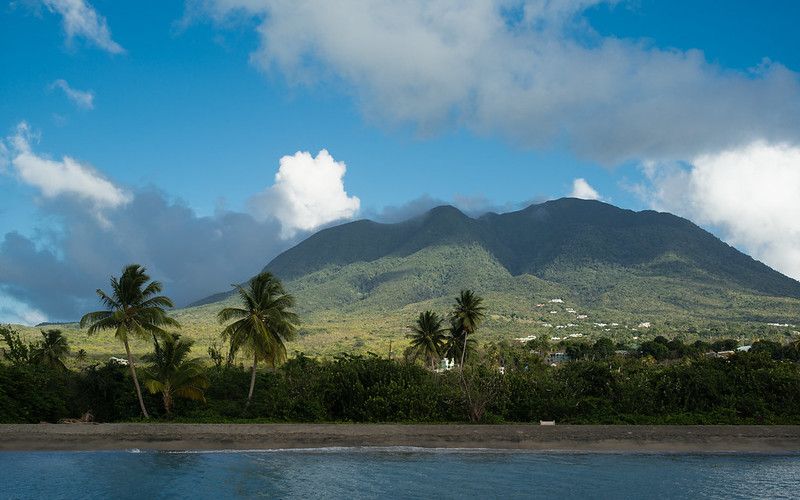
(573, 438)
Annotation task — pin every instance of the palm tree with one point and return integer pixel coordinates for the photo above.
(171, 374)
(133, 308)
(427, 337)
(454, 341)
(51, 350)
(81, 355)
(263, 324)
(467, 315)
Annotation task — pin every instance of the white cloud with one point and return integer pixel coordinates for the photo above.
(81, 98)
(67, 177)
(583, 190)
(532, 71)
(308, 192)
(750, 195)
(18, 313)
(81, 20)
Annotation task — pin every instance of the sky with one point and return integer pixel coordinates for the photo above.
(201, 138)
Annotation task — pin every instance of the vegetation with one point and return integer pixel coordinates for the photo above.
(51, 350)
(467, 314)
(263, 323)
(134, 308)
(427, 338)
(172, 375)
(756, 387)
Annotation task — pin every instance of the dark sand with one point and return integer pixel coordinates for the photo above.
(577, 438)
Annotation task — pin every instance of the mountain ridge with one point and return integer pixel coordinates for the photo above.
(553, 240)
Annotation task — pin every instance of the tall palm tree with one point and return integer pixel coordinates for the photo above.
(134, 307)
(51, 350)
(468, 312)
(171, 374)
(427, 337)
(263, 324)
(454, 340)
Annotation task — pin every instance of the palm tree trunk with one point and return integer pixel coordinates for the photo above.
(167, 403)
(464, 384)
(464, 350)
(252, 381)
(135, 379)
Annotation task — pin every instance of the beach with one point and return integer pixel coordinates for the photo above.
(569, 438)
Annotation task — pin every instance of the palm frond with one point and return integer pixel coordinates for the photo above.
(158, 301)
(153, 385)
(93, 317)
(230, 313)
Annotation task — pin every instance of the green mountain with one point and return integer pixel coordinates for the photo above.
(547, 241)
(359, 284)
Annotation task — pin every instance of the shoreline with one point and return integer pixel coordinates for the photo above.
(520, 437)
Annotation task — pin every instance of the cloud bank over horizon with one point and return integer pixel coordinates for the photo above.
(101, 227)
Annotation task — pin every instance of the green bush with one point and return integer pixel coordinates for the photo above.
(756, 387)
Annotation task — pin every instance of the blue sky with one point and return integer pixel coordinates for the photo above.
(655, 104)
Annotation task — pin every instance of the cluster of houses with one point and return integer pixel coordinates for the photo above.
(578, 316)
(557, 358)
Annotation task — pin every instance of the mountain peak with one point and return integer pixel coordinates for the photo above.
(569, 241)
(445, 211)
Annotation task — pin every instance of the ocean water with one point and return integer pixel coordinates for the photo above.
(395, 473)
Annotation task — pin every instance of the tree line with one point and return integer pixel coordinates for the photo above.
(662, 381)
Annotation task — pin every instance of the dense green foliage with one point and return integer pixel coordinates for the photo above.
(51, 350)
(263, 323)
(134, 308)
(427, 338)
(171, 375)
(602, 384)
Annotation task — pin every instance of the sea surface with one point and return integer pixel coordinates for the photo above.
(395, 473)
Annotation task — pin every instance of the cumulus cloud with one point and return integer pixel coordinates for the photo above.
(583, 190)
(64, 178)
(81, 98)
(308, 193)
(80, 20)
(533, 71)
(750, 195)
